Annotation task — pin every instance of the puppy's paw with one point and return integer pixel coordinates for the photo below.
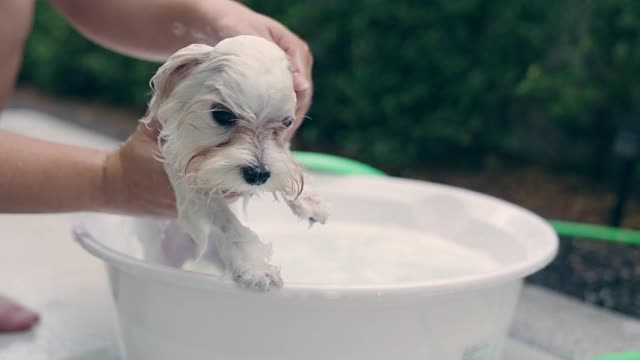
(259, 279)
(309, 206)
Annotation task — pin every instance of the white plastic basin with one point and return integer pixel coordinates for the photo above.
(169, 314)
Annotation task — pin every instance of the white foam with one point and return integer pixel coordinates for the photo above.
(352, 254)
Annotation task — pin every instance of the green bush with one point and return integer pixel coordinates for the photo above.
(409, 84)
(60, 61)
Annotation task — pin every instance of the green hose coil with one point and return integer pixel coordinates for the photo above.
(339, 165)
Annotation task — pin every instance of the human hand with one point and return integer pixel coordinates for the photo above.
(153, 30)
(134, 180)
(232, 19)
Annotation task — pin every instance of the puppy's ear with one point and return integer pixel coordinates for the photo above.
(174, 70)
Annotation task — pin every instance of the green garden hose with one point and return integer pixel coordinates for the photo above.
(335, 164)
(622, 356)
(596, 232)
(339, 165)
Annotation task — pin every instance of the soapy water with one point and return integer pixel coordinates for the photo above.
(352, 254)
(347, 254)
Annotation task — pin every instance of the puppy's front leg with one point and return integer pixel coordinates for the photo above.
(239, 248)
(309, 205)
(193, 216)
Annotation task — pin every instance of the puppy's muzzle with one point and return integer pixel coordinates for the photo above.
(256, 175)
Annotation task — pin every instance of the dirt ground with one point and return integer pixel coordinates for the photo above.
(554, 196)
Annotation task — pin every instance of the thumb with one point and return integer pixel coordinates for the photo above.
(151, 129)
(299, 55)
(300, 58)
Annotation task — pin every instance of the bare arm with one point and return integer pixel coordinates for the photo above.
(39, 176)
(148, 29)
(154, 29)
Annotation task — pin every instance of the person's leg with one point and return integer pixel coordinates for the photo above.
(15, 317)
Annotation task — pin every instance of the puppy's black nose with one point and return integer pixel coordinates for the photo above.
(256, 175)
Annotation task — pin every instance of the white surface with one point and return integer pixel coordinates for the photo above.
(573, 330)
(43, 126)
(40, 265)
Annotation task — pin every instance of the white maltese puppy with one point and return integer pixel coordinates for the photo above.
(224, 112)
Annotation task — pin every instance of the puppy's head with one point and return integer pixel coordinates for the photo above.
(224, 112)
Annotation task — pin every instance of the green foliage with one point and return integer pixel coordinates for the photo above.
(59, 60)
(409, 83)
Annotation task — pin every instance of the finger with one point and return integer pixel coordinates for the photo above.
(302, 83)
(15, 317)
(302, 62)
(170, 209)
(151, 129)
(166, 204)
(298, 53)
(304, 103)
(169, 213)
(304, 90)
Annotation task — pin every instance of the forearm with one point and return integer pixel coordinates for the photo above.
(40, 176)
(148, 29)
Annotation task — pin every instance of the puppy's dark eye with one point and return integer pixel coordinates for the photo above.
(223, 116)
(287, 122)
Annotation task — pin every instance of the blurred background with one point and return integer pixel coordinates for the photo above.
(535, 102)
